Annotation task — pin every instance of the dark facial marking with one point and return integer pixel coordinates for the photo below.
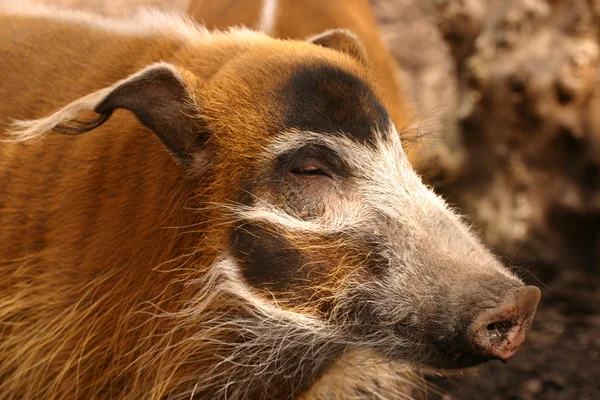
(268, 260)
(326, 99)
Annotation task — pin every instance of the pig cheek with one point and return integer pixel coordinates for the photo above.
(306, 199)
(273, 265)
(267, 259)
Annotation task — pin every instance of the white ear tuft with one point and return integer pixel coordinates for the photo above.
(157, 95)
(22, 131)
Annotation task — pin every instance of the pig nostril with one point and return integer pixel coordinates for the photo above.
(494, 333)
(500, 332)
(500, 326)
(500, 329)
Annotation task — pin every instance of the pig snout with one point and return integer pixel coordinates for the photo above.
(495, 332)
(500, 332)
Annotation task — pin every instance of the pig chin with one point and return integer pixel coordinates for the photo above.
(434, 355)
(446, 357)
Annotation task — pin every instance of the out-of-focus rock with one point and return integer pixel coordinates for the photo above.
(521, 80)
(428, 75)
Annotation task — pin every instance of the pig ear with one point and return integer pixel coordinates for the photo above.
(157, 95)
(344, 41)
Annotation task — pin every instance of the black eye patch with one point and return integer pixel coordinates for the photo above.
(327, 99)
(267, 258)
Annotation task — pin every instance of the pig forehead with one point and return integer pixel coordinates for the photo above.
(327, 99)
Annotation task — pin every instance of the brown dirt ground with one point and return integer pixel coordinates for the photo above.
(561, 359)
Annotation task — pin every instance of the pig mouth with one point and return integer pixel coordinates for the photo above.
(445, 355)
(449, 357)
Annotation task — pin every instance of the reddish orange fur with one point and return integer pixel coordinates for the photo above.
(300, 19)
(100, 233)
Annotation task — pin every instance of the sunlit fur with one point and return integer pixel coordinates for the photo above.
(117, 278)
(267, 16)
(145, 21)
(20, 131)
(296, 19)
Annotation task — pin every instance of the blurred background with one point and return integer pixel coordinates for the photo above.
(505, 117)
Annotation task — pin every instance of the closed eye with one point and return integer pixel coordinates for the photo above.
(311, 162)
(308, 171)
